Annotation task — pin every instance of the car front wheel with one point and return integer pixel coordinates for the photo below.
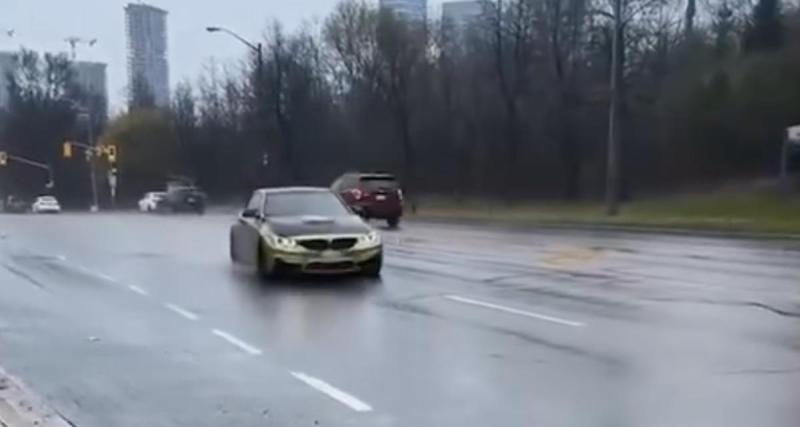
(268, 267)
(373, 267)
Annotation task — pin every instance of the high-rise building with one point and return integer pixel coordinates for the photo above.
(460, 15)
(89, 76)
(414, 10)
(148, 68)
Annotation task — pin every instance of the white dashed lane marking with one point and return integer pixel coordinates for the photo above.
(138, 290)
(323, 387)
(106, 277)
(237, 342)
(340, 396)
(518, 312)
(181, 311)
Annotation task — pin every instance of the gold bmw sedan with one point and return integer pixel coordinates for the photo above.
(304, 230)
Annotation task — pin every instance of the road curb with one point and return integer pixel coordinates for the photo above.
(623, 228)
(20, 407)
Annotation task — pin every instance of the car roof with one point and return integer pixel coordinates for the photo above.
(286, 190)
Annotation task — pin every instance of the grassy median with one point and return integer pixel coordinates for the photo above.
(760, 212)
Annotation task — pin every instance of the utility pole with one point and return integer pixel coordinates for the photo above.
(612, 166)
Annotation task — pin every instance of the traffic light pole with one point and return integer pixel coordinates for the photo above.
(44, 166)
(93, 166)
(94, 151)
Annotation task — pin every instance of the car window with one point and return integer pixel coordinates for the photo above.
(255, 202)
(304, 203)
(378, 182)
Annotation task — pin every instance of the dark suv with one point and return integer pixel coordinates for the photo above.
(372, 195)
(185, 199)
(14, 204)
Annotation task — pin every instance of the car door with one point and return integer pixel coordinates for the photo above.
(246, 232)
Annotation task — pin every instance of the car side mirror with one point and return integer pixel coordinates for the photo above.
(251, 213)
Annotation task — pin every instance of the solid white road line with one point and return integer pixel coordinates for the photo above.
(342, 397)
(237, 342)
(182, 311)
(139, 290)
(518, 312)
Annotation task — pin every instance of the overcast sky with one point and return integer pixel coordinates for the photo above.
(43, 24)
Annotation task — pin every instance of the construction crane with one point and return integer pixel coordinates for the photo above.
(75, 41)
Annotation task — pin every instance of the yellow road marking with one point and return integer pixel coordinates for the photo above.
(569, 258)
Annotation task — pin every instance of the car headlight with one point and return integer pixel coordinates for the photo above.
(285, 243)
(370, 239)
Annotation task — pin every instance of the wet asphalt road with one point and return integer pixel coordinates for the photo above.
(129, 320)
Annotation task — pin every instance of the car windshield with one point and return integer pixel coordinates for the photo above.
(320, 203)
(47, 199)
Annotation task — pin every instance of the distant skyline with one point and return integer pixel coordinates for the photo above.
(42, 25)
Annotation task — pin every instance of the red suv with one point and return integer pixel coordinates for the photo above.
(372, 195)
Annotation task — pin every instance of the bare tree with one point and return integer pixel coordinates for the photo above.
(510, 28)
(381, 52)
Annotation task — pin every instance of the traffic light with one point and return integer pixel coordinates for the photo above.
(67, 150)
(3, 158)
(111, 152)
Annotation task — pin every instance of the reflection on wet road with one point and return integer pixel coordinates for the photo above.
(129, 320)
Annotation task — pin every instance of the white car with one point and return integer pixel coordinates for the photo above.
(46, 204)
(149, 202)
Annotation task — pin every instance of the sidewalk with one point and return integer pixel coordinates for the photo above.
(19, 407)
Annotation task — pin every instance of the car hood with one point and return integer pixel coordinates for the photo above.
(310, 225)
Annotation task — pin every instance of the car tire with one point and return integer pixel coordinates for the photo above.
(393, 222)
(373, 267)
(232, 249)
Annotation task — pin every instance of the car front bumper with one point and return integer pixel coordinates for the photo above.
(47, 209)
(379, 210)
(328, 262)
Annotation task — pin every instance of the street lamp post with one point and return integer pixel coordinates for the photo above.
(86, 114)
(258, 49)
(612, 159)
